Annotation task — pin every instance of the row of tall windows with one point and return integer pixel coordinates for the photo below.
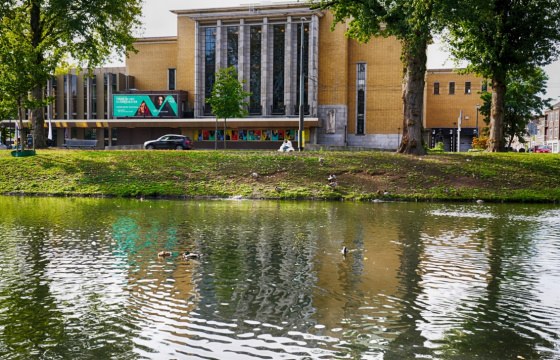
(451, 88)
(71, 94)
(69, 102)
(278, 48)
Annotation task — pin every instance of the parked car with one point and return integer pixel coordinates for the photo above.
(170, 141)
(542, 149)
(3, 147)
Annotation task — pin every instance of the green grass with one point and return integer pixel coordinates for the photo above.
(361, 176)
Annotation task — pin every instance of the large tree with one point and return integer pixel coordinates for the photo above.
(19, 73)
(498, 37)
(228, 98)
(413, 23)
(523, 99)
(85, 31)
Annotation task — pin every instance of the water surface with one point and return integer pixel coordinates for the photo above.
(81, 279)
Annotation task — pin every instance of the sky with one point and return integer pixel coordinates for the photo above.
(159, 21)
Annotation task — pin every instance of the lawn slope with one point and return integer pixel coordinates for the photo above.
(272, 175)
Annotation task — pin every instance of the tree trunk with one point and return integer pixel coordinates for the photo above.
(413, 96)
(496, 138)
(37, 115)
(38, 118)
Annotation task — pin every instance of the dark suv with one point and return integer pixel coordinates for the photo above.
(177, 142)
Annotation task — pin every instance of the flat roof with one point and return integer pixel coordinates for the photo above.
(257, 10)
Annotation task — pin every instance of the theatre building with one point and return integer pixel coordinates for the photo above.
(351, 91)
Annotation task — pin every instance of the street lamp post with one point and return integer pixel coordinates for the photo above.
(477, 109)
(301, 89)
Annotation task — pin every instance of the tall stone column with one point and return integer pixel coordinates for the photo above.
(313, 65)
(100, 136)
(266, 68)
(221, 46)
(243, 54)
(289, 69)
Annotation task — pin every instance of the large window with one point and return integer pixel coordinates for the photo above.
(233, 46)
(65, 91)
(305, 66)
(278, 70)
(255, 70)
(74, 93)
(90, 134)
(171, 74)
(93, 81)
(361, 99)
(54, 94)
(106, 95)
(209, 65)
(87, 99)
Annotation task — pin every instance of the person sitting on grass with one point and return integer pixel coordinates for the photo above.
(286, 146)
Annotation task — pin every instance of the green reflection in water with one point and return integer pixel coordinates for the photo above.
(80, 278)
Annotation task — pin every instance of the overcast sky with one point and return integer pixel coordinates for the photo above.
(159, 21)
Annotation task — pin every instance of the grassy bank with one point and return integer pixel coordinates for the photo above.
(271, 175)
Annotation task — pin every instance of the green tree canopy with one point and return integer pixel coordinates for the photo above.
(523, 100)
(19, 72)
(413, 22)
(501, 37)
(86, 31)
(228, 99)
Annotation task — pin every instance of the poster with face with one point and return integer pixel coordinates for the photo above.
(145, 106)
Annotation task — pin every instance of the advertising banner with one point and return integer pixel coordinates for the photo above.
(145, 106)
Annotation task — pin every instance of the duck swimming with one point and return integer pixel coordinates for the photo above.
(344, 250)
(189, 255)
(164, 253)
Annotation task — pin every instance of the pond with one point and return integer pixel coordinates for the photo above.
(82, 279)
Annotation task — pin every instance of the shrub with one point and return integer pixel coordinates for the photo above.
(480, 142)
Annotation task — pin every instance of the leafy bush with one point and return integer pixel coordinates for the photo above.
(480, 142)
(438, 148)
